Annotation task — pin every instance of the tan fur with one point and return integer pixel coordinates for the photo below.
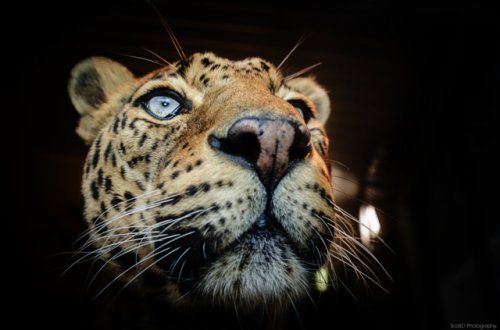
(213, 199)
(315, 93)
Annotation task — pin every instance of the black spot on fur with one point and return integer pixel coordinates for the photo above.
(173, 75)
(115, 201)
(224, 67)
(143, 139)
(103, 207)
(123, 171)
(146, 175)
(139, 184)
(95, 158)
(191, 190)
(228, 205)
(88, 87)
(322, 151)
(175, 175)
(172, 201)
(219, 183)
(147, 159)
(153, 148)
(202, 77)
(185, 145)
(240, 200)
(215, 207)
(189, 168)
(95, 190)
(183, 66)
(128, 195)
(159, 186)
(205, 187)
(198, 162)
(166, 164)
(108, 184)
(122, 148)
(222, 221)
(107, 151)
(215, 67)
(100, 177)
(206, 62)
(175, 164)
(115, 125)
(225, 76)
(113, 158)
(264, 66)
(205, 82)
(129, 100)
(124, 121)
(304, 206)
(132, 123)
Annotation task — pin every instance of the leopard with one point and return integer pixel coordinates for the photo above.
(207, 187)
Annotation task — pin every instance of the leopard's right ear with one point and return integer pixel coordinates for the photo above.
(94, 82)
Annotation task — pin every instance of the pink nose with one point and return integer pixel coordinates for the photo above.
(269, 145)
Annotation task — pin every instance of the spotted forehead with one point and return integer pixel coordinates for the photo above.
(208, 71)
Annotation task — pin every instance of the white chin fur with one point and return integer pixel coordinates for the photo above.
(259, 271)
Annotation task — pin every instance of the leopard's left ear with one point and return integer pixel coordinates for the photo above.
(317, 94)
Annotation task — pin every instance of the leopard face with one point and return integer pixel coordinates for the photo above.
(207, 181)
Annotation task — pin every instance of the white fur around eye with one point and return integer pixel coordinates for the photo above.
(163, 106)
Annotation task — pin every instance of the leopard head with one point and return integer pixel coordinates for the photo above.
(207, 181)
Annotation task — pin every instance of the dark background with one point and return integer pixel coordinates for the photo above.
(414, 87)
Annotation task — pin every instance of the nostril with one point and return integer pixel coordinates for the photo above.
(301, 146)
(244, 145)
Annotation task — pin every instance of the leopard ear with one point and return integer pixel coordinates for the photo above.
(317, 94)
(93, 86)
(93, 80)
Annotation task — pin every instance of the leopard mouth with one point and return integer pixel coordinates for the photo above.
(265, 245)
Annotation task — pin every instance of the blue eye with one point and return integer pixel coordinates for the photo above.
(163, 106)
(300, 111)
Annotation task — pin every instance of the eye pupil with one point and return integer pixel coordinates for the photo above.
(165, 103)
